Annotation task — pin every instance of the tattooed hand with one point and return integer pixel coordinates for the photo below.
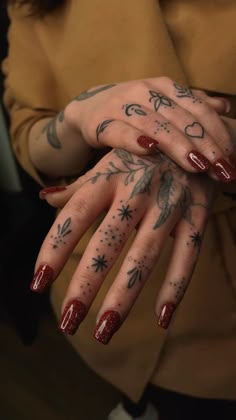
(157, 115)
(151, 193)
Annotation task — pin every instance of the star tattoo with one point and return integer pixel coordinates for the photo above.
(99, 263)
(125, 212)
(196, 239)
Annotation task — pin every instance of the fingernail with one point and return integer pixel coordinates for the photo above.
(226, 102)
(73, 314)
(224, 171)
(147, 143)
(198, 161)
(232, 161)
(166, 315)
(108, 324)
(43, 278)
(50, 190)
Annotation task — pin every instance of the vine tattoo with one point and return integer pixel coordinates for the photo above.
(62, 231)
(173, 192)
(51, 131)
(159, 100)
(89, 94)
(101, 127)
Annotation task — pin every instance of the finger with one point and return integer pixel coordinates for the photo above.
(221, 105)
(137, 266)
(141, 136)
(72, 222)
(204, 114)
(98, 259)
(185, 254)
(58, 196)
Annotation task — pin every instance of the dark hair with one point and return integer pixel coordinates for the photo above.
(39, 7)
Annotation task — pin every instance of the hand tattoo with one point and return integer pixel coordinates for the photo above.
(89, 94)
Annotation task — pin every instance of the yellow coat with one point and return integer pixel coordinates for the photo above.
(91, 42)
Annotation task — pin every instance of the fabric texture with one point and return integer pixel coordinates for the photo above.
(92, 42)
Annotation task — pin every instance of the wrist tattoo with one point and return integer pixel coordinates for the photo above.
(51, 131)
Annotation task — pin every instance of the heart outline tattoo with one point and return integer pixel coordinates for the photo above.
(194, 130)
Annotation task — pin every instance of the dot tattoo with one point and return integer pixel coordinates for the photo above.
(183, 92)
(62, 231)
(100, 263)
(136, 273)
(162, 126)
(179, 287)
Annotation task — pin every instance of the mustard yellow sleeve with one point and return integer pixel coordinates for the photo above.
(28, 94)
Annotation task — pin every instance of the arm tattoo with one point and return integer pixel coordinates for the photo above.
(89, 94)
(194, 130)
(101, 127)
(51, 131)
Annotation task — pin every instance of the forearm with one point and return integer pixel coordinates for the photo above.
(56, 149)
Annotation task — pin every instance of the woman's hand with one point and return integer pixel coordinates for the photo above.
(156, 114)
(150, 194)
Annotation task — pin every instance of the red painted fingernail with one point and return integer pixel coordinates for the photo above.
(166, 315)
(147, 143)
(224, 171)
(50, 190)
(73, 314)
(43, 278)
(108, 324)
(232, 160)
(198, 161)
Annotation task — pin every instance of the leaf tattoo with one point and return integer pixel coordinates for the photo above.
(101, 127)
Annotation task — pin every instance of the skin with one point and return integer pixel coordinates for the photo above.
(152, 193)
(179, 119)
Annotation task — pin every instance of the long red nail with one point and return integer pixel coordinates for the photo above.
(166, 314)
(232, 160)
(108, 324)
(43, 278)
(147, 143)
(224, 171)
(198, 161)
(73, 314)
(50, 190)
